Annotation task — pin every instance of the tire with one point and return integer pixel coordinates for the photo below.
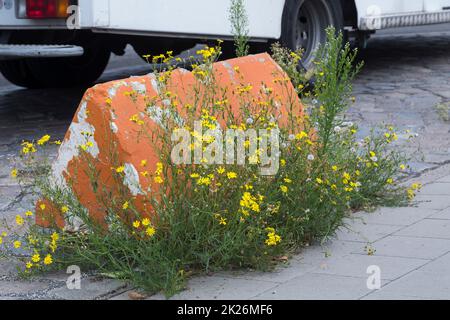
(18, 73)
(304, 25)
(56, 72)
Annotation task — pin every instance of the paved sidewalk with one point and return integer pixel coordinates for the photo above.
(412, 251)
(410, 246)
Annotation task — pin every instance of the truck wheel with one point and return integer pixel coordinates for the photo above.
(305, 22)
(56, 72)
(18, 73)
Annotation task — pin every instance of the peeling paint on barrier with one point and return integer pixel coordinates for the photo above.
(114, 140)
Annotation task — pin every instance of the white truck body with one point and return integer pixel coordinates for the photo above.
(209, 19)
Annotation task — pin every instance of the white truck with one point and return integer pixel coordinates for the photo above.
(55, 43)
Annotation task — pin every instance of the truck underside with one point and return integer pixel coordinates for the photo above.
(44, 52)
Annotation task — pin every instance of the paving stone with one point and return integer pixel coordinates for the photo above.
(318, 287)
(306, 261)
(219, 288)
(361, 232)
(290, 270)
(416, 285)
(411, 247)
(8, 268)
(445, 179)
(355, 265)
(56, 276)
(90, 289)
(441, 215)
(438, 202)
(122, 297)
(438, 266)
(403, 216)
(427, 228)
(19, 287)
(436, 189)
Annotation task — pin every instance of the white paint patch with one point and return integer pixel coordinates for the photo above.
(230, 70)
(139, 87)
(131, 180)
(114, 127)
(112, 92)
(113, 115)
(70, 148)
(183, 71)
(154, 83)
(160, 116)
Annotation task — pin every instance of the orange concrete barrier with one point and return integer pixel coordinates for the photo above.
(105, 142)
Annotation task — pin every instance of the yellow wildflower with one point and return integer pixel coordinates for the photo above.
(14, 173)
(136, 224)
(146, 222)
(120, 169)
(150, 231)
(54, 236)
(36, 258)
(28, 147)
(159, 168)
(301, 135)
(43, 140)
(17, 244)
(204, 181)
(272, 238)
(144, 174)
(232, 175)
(158, 180)
(48, 260)
(19, 220)
(416, 186)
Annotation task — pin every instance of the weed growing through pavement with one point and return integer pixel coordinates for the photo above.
(208, 217)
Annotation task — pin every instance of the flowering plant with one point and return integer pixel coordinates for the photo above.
(207, 216)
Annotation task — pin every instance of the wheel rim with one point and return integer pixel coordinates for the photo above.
(313, 18)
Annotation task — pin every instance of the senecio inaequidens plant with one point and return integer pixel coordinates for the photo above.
(229, 216)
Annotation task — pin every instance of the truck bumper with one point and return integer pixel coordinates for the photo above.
(15, 51)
